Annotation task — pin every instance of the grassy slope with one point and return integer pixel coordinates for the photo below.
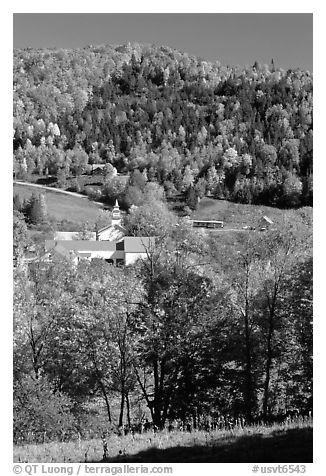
(290, 443)
(63, 207)
(236, 215)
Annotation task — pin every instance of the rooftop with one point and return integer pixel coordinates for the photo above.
(268, 220)
(113, 226)
(131, 244)
(137, 244)
(81, 245)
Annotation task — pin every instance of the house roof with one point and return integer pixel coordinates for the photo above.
(62, 250)
(120, 227)
(131, 244)
(138, 244)
(112, 234)
(268, 220)
(207, 221)
(80, 245)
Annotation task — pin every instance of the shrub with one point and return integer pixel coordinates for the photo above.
(39, 409)
(35, 209)
(76, 187)
(93, 193)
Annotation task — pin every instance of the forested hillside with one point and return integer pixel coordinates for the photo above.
(241, 133)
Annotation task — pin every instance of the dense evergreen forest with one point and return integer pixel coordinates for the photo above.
(243, 134)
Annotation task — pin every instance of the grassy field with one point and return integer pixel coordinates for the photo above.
(237, 215)
(63, 207)
(283, 443)
(240, 218)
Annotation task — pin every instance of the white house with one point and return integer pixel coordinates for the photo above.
(108, 243)
(123, 252)
(136, 247)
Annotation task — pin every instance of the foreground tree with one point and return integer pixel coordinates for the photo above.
(152, 219)
(299, 356)
(20, 237)
(282, 250)
(35, 209)
(243, 296)
(164, 324)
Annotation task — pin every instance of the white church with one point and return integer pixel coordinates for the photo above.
(109, 243)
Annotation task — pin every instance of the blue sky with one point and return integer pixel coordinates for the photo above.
(231, 38)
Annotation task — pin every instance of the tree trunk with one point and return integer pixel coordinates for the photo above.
(248, 371)
(128, 409)
(268, 366)
(269, 350)
(157, 396)
(148, 401)
(35, 353)
(99, 377)
(157, 420)
(248, 380)
(106, 400)
(121, 408)
(194, 419)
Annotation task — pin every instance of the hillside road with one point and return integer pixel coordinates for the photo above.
(56, 190)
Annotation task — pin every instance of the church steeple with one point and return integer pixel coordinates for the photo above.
(116, 214)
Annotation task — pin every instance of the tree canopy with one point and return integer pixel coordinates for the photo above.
(246, 131)
(188, 333)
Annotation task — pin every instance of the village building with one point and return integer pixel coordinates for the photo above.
(265, 223)
(97, 169)
(115, 230)
(124, 252)
(108, 243)
(112, 232)
(207, 223)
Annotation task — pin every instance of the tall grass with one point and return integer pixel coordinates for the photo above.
(125, 447)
